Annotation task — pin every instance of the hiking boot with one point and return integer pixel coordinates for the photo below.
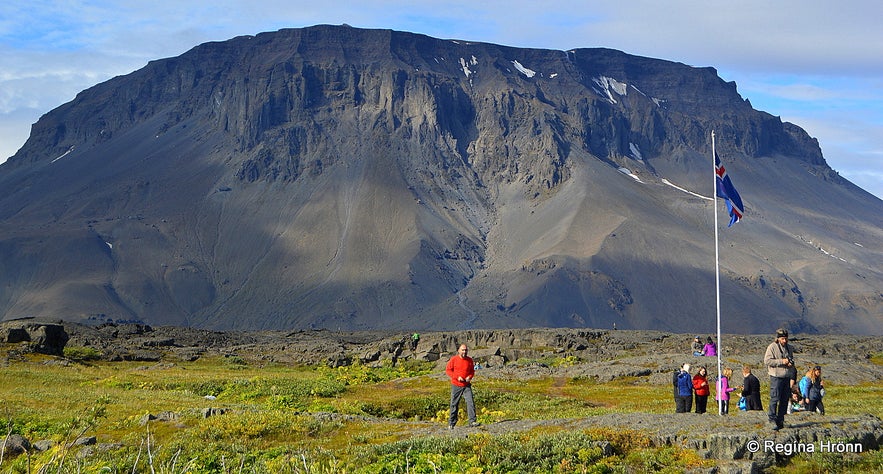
(474, 424)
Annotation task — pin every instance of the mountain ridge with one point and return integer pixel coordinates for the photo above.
(333, 176)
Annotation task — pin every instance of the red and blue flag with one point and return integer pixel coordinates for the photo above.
(726, 191)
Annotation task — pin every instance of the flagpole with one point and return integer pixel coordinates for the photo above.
(717, 280)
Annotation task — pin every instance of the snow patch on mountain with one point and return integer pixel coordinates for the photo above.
(636, 152)
(527, 72)
(608, 86)
(669, 183)
(628, 172)
(820, 248)
(464, 64)
(69, 150)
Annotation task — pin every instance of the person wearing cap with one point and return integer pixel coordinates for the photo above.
(779, 360)
(696, 346)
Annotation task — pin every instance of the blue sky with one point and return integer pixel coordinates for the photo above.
(818, 64)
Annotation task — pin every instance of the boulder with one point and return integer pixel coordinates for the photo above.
(85, 441)
(14, 335)
(213, 411)
(168, 416)
(428, 356)
(494, 361)
(44, 445)
(161, 416)
(338, 360)
(15, 444)
(44, 338)
(370, 356)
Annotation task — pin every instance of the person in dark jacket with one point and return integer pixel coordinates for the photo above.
(696, 346)
(812, 388)
(683, 383)
(751, 389)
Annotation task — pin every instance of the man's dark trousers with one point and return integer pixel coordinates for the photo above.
(780, 397)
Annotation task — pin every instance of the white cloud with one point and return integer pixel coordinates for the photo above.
(33, 83)
(14, 129)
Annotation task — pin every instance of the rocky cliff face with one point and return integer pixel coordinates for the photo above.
(338, 177)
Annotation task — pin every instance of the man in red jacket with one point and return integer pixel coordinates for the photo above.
(461, 369)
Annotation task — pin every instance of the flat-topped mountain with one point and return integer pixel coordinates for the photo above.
(371, 179)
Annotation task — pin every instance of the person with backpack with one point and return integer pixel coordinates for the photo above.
(415, 339)
(779, 360)
(812, 389)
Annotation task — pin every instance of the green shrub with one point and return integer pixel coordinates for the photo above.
(197, 387)
(424, 407)
(82, 354)
(236, 362)
(359, 374)
(578, 451)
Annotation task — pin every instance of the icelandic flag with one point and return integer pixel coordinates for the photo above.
(726, 191)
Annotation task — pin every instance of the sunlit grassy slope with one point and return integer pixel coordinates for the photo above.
(318, 419)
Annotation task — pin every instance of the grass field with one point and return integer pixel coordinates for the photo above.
(318, 419)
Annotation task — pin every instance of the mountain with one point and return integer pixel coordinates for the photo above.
(371, 179)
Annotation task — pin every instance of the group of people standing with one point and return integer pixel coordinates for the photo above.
(786, 393)
(778, 358)
(693, 389)
(690, 388)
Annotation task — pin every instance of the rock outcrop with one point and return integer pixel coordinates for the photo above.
(45, 338)
(606, 355)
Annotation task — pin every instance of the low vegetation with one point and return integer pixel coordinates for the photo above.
(315, 419)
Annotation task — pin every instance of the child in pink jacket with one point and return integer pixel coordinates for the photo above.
(723, 391)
